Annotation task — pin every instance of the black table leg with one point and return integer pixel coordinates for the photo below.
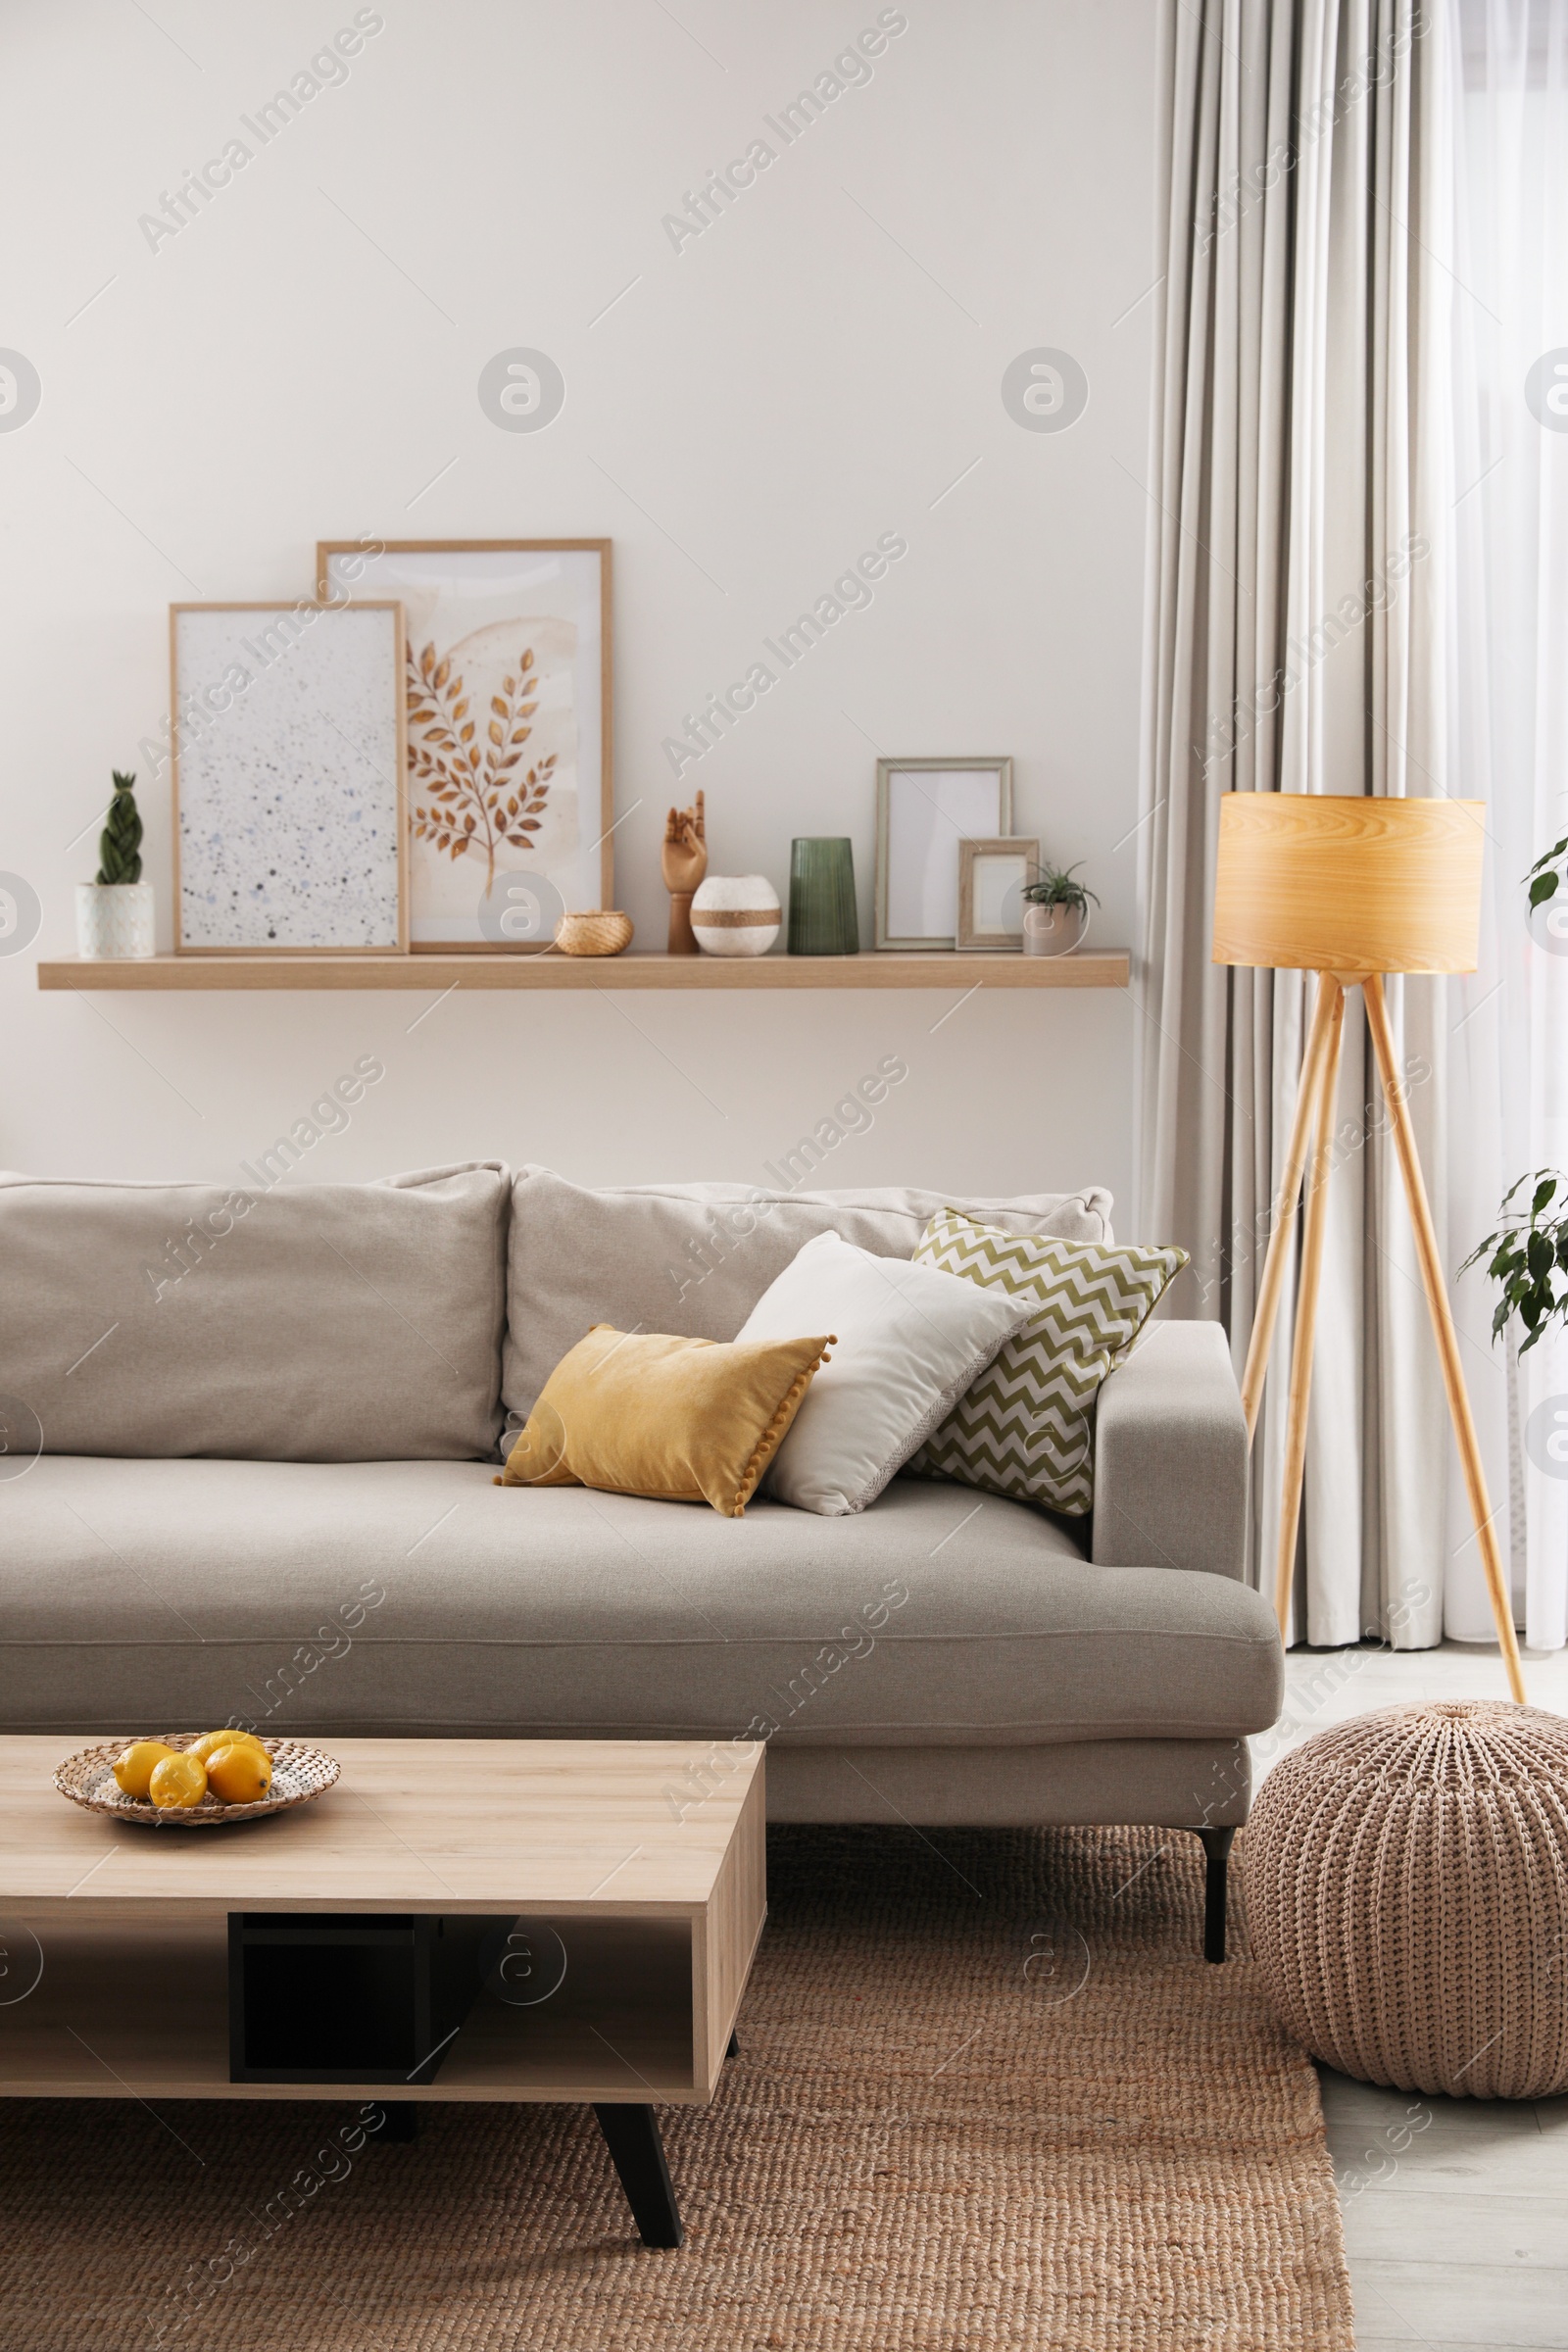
(734, 2049)
(631, 2135)
(401, 2119)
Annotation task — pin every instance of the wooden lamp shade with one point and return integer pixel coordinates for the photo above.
(1312, 882)
(1353, 887)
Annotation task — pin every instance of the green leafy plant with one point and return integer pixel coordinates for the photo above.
(1544, 876)
(1055, 887)
(120, 843)
(1527, 1256)
(1529, 1251)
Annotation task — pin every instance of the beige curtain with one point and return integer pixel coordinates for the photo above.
(1300, 484)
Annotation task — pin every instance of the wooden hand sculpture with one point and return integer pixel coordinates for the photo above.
(683, 860)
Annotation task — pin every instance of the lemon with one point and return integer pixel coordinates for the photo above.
(240, 1775)
(211, 1742)
(178, 1781)
(134, 1768)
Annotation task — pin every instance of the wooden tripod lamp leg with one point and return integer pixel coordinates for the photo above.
(1317, 1205)
(1447, 1339)
(1268, 1310)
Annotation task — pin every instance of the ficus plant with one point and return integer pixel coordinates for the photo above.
(120, 843)
(1526, 1256)
(1546, 875)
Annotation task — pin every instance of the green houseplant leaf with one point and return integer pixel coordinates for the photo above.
(120, 843)
(1527, 1257)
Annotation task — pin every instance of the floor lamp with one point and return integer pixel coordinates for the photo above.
(1351, 888)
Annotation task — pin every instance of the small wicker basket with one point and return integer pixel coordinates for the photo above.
(299, 1775)
(603, 934)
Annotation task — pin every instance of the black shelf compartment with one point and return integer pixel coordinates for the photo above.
(352, 1996)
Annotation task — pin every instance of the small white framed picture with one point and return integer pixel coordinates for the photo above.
(288, 761)
(924, 810)
(993, 876)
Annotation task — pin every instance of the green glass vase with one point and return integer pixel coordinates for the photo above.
(822, 917)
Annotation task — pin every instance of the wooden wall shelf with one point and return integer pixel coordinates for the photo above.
(938, 971)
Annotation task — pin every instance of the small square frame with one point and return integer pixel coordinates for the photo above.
(971, 855)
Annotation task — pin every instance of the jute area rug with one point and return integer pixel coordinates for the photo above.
(989, 2095)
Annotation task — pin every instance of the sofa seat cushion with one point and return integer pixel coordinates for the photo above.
(148, 1596)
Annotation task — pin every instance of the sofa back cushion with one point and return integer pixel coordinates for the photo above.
(694, 1258)
(307, 1322)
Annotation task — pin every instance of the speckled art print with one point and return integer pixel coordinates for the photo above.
(288, 778)
(507, 704)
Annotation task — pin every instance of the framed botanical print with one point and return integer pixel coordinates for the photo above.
(993, 876)
(506, 684)
(924, 808)
(288, 759)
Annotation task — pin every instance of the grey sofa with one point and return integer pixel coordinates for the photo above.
(267, 1425)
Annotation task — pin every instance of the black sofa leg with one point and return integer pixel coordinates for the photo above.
(1217, 1847)
(734, 2049)
(631, 2135)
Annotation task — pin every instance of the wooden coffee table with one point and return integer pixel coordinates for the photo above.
(636, 1866)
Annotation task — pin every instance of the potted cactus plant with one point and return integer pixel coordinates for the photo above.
(115, 913)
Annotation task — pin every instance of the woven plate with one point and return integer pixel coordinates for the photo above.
(298, 1774)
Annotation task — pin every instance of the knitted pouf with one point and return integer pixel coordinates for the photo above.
(1405, 1877)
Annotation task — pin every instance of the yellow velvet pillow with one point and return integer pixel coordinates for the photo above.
(683, 1420)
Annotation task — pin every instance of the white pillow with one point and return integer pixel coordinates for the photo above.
(910, 1339)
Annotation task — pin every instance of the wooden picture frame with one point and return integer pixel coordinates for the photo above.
(525, 618)
(924, 810)
(1014, 862)
(261, 703)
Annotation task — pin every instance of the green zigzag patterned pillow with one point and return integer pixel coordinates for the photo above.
(1026, 1428)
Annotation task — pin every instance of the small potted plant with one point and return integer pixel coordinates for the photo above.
(115, 913)
(1055, 912)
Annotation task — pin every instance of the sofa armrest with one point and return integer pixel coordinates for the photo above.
(1170, 1456)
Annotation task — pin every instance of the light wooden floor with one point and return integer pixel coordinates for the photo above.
(1456, 2210)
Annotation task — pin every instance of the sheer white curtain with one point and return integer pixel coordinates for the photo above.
(1508, 629)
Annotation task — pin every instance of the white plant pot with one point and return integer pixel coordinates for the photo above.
(114, 918)
(735, 914)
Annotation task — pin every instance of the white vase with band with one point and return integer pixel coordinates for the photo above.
(735, 914)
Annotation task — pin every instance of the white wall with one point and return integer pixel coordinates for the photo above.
(754, 412)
